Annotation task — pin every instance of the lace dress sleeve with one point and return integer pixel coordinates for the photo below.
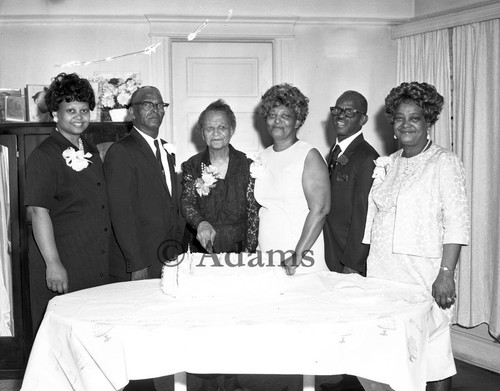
(252, 218)
(190, 202)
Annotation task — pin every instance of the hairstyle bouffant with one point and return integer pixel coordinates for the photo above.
(288, 96)
(422, 94)
(69, 88)
(218, 106)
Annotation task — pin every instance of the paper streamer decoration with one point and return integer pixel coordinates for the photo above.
(148, 50)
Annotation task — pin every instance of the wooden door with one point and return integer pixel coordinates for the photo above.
(202, 72)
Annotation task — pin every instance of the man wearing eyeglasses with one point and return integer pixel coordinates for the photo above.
(351, 164)
(143, 192)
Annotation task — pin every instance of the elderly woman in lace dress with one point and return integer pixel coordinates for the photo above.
(218, 204)
(418, 216)
(217, 189)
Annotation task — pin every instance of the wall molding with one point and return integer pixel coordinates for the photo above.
(475, 348)
(63, 19)
(460, 17)
(272, 22)
(241, 29)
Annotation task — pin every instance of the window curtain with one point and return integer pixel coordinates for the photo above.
(6, 324)
(425, 58)
(476, 59)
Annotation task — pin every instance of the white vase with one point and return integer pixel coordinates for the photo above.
(119, 115)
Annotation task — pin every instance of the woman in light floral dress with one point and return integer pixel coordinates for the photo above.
(418, 216)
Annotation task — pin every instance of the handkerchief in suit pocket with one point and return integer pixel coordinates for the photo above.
(341, 177)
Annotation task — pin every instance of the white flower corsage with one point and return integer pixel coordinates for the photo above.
(382, 167)
(77, 160)
(170, 148)
(257, 168)
(342, 160)
(209, 176)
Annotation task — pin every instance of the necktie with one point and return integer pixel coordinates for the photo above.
(158, 156)
(333, 158)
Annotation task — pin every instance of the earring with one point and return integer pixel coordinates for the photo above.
(395, 138)
(55, 120)
(428, 136)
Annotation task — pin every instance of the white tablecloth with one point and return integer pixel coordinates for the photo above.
(100, 338)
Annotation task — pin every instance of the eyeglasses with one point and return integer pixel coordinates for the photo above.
(147, 105)
(349, 113)
(220, 128)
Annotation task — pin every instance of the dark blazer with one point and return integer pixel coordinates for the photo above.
(345, 224)
(144, 216)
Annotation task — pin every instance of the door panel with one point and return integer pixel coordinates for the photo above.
(203, 72)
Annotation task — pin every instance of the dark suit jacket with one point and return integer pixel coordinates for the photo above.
(143, 213)
(345, 224)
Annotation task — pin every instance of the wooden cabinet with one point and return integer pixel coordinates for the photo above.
(17, 141)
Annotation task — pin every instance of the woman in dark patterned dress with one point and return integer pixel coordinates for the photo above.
(218, 204)
(217, 189)
(66, 199)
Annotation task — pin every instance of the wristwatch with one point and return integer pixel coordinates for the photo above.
(446, 268)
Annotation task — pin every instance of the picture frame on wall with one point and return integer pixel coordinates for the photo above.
(7, 92)
(15, 108)
(37, 110)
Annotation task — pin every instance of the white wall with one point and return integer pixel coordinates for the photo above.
(339, 45)
(333, 59)
(31, 51)
(206, 8)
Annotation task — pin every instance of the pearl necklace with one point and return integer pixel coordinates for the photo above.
(80, 142)
(423, 150)
(411, 163)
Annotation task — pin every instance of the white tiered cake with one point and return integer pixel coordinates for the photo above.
(198, 275)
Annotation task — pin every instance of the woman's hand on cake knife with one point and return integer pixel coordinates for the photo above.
(205, 235)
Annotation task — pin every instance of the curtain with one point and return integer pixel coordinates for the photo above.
(466, 72)
(6, 324)
(425, 58)
(476, 59)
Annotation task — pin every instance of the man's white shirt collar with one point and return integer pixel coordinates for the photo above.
(151, 142)
(347, 141)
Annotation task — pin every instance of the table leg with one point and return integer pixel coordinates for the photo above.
(308, 383)
(180, 381)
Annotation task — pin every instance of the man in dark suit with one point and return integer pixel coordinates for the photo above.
(142, 189)
(351, 164)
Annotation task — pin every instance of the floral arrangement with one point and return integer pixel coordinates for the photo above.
(116, 93)
(382, 167)
(342, 160)
(170, 148)
(257, 168)
(209, 177)
(77, 160)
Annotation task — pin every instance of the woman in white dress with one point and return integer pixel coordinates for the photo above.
(418, 216)
(292, 186)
